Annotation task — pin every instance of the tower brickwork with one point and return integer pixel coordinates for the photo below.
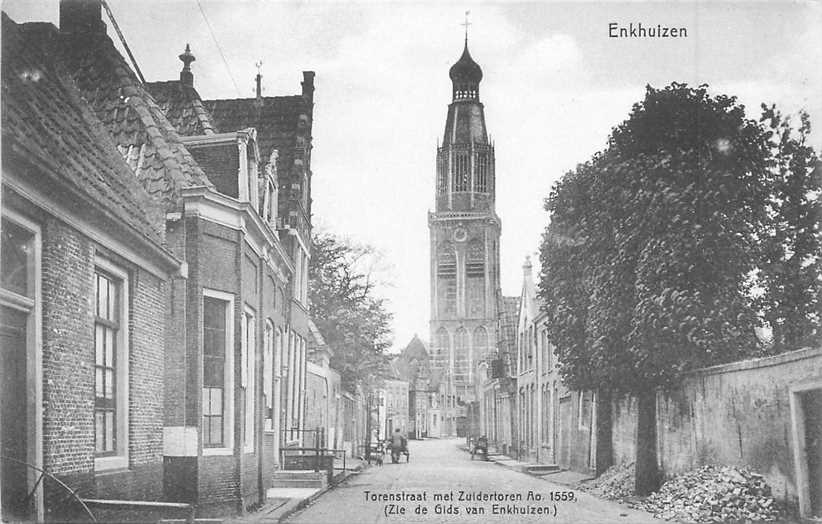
(464, 245)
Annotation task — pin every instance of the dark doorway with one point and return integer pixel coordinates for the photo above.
(812, 413)
(17, 504)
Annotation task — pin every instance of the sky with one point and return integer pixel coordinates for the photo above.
(554, 86)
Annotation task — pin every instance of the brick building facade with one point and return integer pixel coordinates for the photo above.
(84, 283)
(555, 425)
(177, 381)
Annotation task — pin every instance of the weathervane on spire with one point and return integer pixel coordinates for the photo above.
(466, 24)
(259, 81)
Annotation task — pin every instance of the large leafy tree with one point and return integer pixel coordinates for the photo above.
(352, 319)
(789, 273)
(647, 259)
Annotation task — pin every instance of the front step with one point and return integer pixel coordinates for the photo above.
(541, 469)
(299, 479)
(108, 510)
(298, 483)
(298, 473)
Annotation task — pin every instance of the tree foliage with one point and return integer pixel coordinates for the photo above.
(353, 321)
(789, 273)
(646, 259)
(666, 250)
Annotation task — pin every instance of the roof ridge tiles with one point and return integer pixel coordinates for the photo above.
(68, 140)
(103, 76)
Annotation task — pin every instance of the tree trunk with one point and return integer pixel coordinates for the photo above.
(604, 452)
(647, 473)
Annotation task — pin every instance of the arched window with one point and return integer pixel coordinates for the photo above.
(442, 346)
(481, 169)
(442, 174)
(447, 279)
(461, 363)
(475, 278)
(461, 171)
(480, 342)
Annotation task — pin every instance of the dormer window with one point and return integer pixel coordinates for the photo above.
(231, 163)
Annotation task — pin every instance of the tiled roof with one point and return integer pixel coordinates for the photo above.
(182, 106)
(143, 134)
(277, 120)
(316, 340)
(415, 348)
(45, 119)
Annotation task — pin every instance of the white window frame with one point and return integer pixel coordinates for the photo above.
(228, 391)
(268, 374)
(34, 353)
(249, 374)
(121, 457)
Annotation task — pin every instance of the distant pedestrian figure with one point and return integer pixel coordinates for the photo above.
(399, 444)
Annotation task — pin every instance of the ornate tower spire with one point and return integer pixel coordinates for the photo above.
(465, 77)
(465, 160)
(186, 76)
(464, 241)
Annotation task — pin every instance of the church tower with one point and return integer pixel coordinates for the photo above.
(464, 241)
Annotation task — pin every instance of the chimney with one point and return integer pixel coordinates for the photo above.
(308, 85)
(259, 80)
(82, 18)
(186, 76)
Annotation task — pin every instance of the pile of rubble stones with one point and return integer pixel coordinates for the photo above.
(615, 483)
(714, 494)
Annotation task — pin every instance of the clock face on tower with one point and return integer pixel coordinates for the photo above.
(460, 234)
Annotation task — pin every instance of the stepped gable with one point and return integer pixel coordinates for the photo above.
(277, 120)
(46, 122)
(182, 106)
(145, 138)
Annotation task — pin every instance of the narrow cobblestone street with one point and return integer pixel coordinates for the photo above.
(440, 467)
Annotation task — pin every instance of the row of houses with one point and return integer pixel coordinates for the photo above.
(153, 302)
(759, 414)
